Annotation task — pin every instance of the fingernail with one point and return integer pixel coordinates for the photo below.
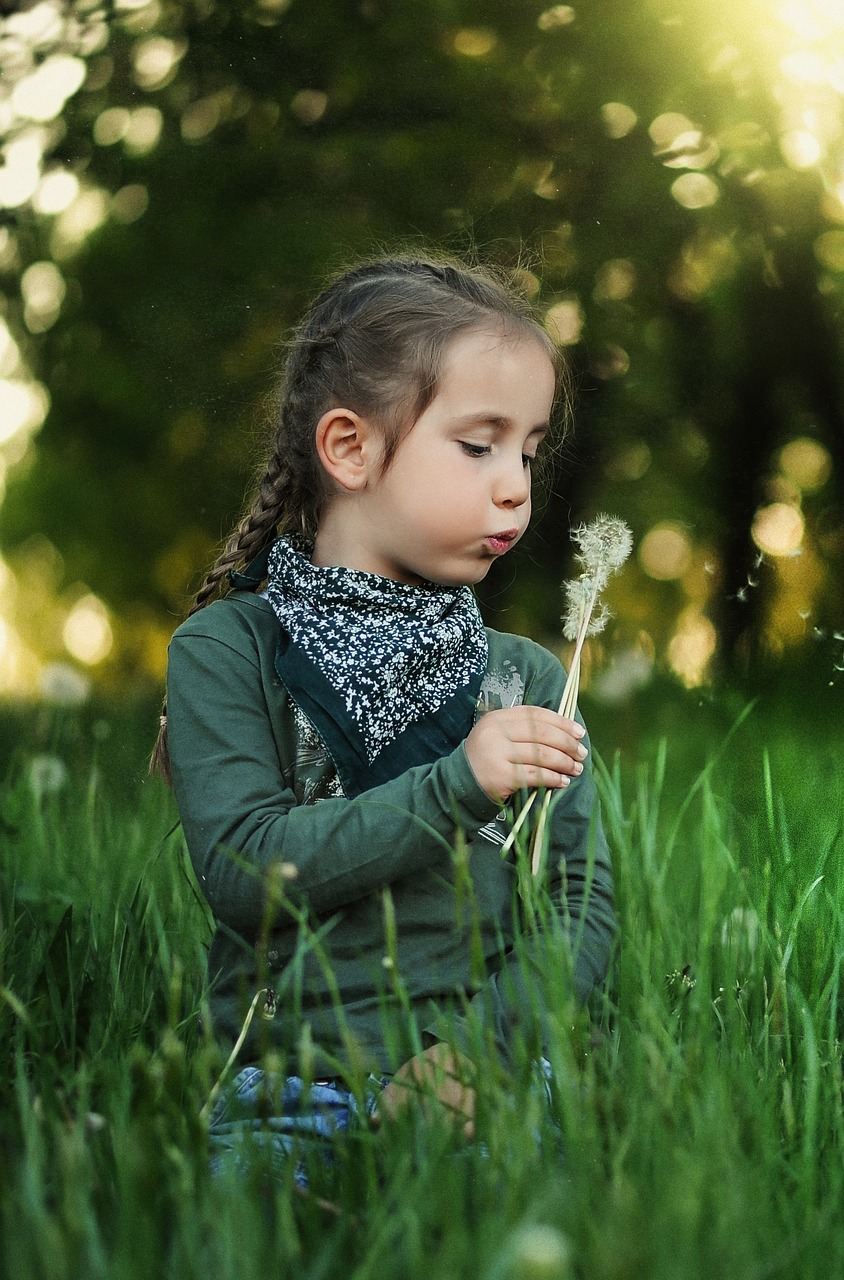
(582, 753)
(578, 768)
(564, 781)
(578, 731)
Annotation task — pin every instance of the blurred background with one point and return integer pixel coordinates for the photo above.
(663, 178)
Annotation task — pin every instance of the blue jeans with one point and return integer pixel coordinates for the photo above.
(282, 1118)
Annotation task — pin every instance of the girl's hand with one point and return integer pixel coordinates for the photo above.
(438, 1076)
(524, 747)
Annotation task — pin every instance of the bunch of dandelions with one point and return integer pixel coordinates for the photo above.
(603, 546)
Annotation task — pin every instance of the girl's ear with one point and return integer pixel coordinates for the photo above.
(348, 446)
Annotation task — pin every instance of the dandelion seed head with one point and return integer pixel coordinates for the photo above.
(599, 620)
(605, 543)
(578, 593)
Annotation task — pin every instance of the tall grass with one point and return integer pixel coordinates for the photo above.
(695, 1127)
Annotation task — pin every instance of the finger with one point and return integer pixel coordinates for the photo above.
(529, 777)
(545, 716)
(546, 757)
(553, 733)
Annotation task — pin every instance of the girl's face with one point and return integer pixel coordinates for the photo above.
(457, 493)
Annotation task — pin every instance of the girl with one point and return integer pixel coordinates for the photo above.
(343, 732)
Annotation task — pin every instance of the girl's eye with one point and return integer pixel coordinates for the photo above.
(475, 450)
(528, 458)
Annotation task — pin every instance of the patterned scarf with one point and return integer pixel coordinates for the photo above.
(388, 673)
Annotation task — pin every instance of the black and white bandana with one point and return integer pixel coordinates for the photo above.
(387, 672)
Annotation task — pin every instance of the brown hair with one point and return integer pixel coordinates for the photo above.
(373, 341)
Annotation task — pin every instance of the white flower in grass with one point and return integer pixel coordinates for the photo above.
(47, 775)
(64, 686)
(540, 1252)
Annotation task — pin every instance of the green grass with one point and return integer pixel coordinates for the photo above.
(696, 1126)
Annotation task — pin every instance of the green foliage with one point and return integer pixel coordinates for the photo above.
(696, 1122)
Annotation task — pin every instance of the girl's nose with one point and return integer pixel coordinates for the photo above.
(513, 484)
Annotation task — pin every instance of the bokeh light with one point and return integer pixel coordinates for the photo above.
(560, 15)
(41, 95)
(474, 42)
(692, 647)
(800, 149)
(143, 131)
(87, 632)
(43, 290)
(807, 463)
(618, 119)
(57, 189)
(778, 529)
(615, 281)
(695, 191)
(309, 105)
(665, 552)
(23, 407)
(564, 322)
(156, 60)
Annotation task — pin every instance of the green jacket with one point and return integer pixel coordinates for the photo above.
(374, 921)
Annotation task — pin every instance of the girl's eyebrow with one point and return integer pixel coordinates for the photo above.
(499, 423)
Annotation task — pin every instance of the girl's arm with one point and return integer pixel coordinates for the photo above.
(241, 818)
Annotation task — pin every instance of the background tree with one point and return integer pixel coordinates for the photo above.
(659, 176)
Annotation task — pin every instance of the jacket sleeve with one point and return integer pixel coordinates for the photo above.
(241, 818)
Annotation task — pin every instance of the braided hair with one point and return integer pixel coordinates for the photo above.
(374, 342)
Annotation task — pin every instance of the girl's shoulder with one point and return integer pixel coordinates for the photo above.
(235, 619)
(505, 646)
(520, 670)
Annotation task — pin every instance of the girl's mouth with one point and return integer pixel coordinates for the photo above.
(501, 542)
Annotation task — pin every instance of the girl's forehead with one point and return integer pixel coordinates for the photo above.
(498, 354)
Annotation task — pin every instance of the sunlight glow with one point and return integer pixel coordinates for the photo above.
(800, 149)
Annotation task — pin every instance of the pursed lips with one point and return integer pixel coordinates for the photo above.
(502, 541)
